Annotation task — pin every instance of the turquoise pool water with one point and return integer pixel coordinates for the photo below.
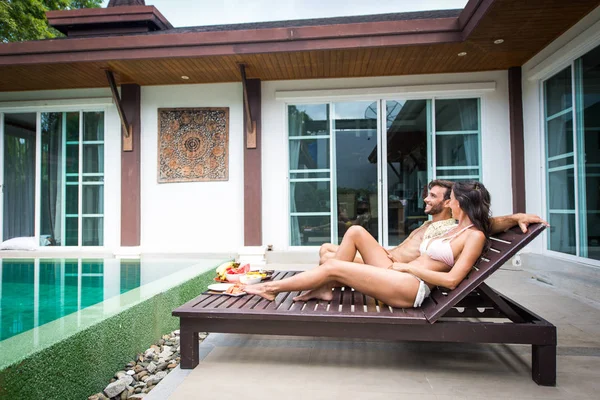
(35, 292)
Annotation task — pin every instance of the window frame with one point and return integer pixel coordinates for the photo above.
(38, 107)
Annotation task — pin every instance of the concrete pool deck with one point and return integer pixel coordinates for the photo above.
(278, 367)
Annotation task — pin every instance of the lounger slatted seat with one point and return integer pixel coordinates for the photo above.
(351, 314)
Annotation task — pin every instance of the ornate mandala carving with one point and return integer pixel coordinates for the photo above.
(193, 144)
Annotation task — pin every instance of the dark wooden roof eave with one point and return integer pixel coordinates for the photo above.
(282, 39)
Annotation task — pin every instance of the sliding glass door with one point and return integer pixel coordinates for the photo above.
(68, 163)
(368, 163)
(572, 137)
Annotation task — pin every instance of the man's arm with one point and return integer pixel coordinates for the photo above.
(500, 224)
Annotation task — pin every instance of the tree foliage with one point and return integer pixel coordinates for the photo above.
(26, 19)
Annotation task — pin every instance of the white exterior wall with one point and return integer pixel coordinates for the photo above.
(581, 38)
(495, 137)
(192, 217)
(73, 99)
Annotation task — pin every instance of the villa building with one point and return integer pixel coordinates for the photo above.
(130, 136)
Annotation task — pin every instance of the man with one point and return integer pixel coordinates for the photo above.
(436, 205)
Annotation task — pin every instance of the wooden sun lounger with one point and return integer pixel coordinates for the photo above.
(352, 314)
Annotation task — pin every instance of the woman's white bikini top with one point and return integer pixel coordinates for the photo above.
(439, 249)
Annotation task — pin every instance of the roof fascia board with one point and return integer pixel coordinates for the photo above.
(227, 37)
(230, 49)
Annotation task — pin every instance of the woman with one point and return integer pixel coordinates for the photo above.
(444, 261)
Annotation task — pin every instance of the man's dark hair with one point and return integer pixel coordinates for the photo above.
(442, 183)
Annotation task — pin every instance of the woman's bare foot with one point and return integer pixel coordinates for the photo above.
(322, 293)
(260, 290)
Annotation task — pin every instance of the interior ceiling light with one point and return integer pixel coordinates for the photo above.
(462, 54)
(185, 77)
(498, 41)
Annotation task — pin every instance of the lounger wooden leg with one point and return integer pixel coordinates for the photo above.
(543, 364)
(190, 356)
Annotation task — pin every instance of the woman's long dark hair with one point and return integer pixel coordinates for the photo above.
(474, 199)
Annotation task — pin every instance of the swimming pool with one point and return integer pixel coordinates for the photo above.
(44, 300)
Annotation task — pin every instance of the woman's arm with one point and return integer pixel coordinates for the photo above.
(468, 257)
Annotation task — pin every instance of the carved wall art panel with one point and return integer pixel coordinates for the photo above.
(193, 144)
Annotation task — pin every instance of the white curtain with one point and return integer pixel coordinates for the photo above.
(52, 179)
(295, 127)
(19, 181)
(469, 120)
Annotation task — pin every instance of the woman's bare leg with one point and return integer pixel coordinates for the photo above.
(358, 239)
(394, 288)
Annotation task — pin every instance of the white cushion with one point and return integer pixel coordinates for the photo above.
(19, 243)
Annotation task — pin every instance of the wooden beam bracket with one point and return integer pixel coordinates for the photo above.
(127, 128)
(250, 123)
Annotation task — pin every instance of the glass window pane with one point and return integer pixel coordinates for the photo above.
(408, 126)
(72, 129)
(457, 150)
(93, 126)
(310, 196)
(93, 179)
(71, 231)
(72, 166)
(93, 158)
(93, 199)
(308, 120)
(309, 154)
(557, 91)
(562, 233)
(457, 115)
(560, 135)
(561, 162)
(562, 190)
(310, 230)
(93, 231)
(72, 200)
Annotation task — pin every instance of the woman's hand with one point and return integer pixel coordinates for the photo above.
(400, 267)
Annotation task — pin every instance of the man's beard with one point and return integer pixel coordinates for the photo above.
(437, 209)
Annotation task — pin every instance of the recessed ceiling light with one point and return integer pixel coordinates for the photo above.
(498, 41)
(462, 54)
(185, 77)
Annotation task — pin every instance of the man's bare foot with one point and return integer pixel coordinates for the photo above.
(322, 293)
(260, 290)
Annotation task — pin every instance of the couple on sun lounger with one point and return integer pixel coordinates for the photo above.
(439, 253)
